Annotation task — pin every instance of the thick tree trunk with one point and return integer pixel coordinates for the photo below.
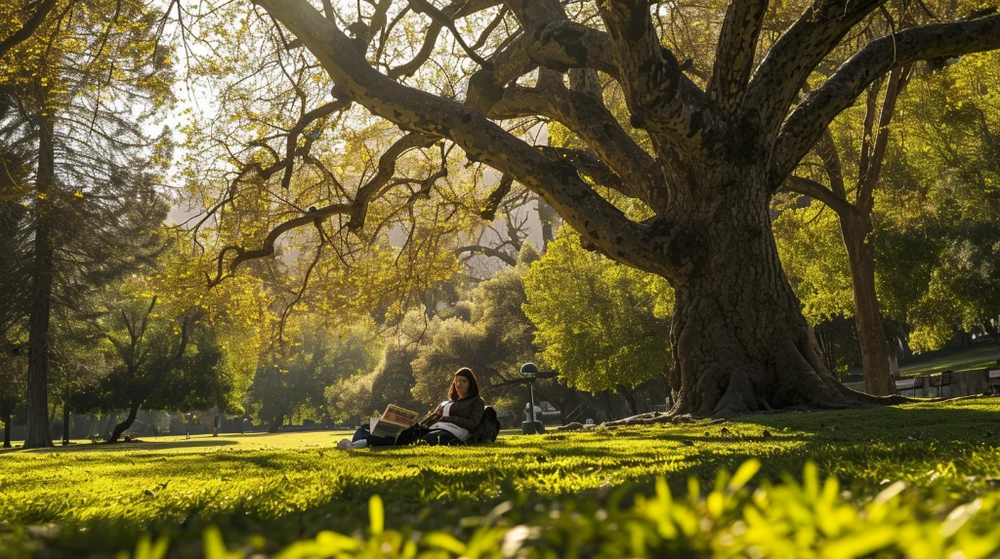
(6, 429)
(606, 403)
(275, 424)
(826, 350)
(41, 294)
(991, 330)
(871, 332)
(739, 339)
(65, 424)
(629, 396)
(124, 425)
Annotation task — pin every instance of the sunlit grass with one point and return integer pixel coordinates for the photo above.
(971, 360)
(293, 485)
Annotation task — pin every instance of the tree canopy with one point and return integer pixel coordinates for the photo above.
(717, 138)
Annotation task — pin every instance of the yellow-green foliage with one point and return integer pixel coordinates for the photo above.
(600, 323)
(918, 481)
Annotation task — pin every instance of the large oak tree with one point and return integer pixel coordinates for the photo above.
(715, 145)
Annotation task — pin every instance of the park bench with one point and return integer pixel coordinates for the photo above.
(912, 384)
(993, 380)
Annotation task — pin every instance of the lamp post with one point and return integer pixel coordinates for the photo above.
(530, 426)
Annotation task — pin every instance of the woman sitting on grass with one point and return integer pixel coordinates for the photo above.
(460, 414)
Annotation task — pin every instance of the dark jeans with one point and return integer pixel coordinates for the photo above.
(364, 433)
(440, 436)
(435, 437)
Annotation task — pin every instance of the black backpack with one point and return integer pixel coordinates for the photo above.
(488, 428)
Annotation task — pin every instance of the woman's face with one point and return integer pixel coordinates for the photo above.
(461, 386)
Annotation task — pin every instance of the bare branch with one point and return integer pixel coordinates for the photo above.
(457, 9)
(493, 201)
(873, 169)
(816, 190)
(386, 168)
(293, 134)
(488, 251)
(827, 150)
(439, 17)
(267, 247)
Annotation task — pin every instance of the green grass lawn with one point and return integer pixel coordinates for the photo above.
(970, 360)
(561, 491)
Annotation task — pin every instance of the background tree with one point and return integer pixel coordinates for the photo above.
(389, 383)
(82, 86)
(292, 385)
(955, 145)
(163, 362)
(602, 325)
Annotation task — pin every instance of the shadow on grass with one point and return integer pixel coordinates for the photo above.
(121, 447)
(861, 447)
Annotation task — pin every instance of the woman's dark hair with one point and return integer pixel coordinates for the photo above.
(473, 383)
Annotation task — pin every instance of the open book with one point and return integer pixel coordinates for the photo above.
(395, 419)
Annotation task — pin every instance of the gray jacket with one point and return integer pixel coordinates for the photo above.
(466, 412)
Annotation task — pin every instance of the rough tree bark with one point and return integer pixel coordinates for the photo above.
(41, 291)
(738, 335)
(718, 155)
(875, 358)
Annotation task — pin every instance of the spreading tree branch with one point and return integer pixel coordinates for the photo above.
(820, 192)
(441, 18)
(652, 79)
(267, 246)
(734, 55)
(472, 250)
(29, 27)
(791, 59)
(293, 134)
(872, 169)
(482, 140)
(455, 10)
(586, 116)
(489, 211)
(810, 118)
(386, 168)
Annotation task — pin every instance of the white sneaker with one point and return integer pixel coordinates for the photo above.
(343, 444)
(358, 444)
